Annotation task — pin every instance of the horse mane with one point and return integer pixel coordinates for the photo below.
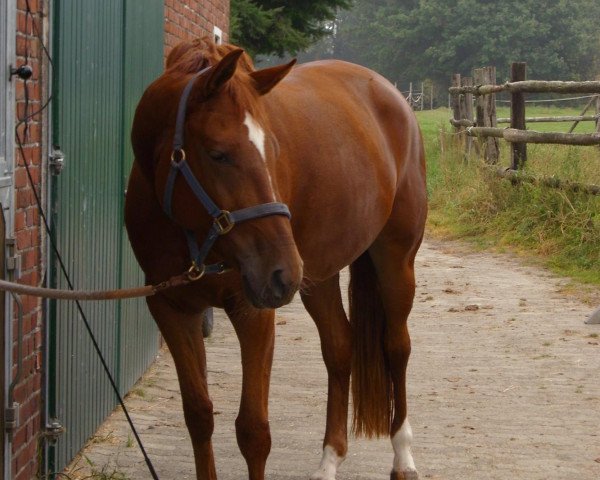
(190, 57)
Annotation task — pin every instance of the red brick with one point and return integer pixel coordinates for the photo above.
(26, 458)
(21, 45)
(33, 5)
(32, 217)
(19, 220)
(23, 198)
(29, 259)
(20, 178)
(20, 436)
(21, 112)
(30, 305)
(23, 239)
(29, 278)
(34, 131)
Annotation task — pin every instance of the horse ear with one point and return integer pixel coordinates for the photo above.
(267, 78)
(221, 73)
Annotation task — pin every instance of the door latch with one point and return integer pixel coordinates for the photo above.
(56, 160)
(53, 430)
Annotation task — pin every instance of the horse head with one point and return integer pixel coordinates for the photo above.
(226, 145)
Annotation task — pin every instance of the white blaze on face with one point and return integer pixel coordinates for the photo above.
(329, 465)
(401, 441)
(256, 134)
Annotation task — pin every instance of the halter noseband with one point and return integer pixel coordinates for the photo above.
(223, 220)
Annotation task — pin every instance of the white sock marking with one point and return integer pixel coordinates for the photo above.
(401, 441)
(256, 134)
(329, 465)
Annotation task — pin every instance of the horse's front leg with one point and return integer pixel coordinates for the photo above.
(256, 333)
(183, 333)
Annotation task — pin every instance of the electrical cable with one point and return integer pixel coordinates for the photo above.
(25, 121)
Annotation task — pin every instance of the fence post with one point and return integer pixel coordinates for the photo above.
(598, 114)
(455, 101)
(486, 112)
(422, 96)
(431, 97)
(518, 155)
(467, 104)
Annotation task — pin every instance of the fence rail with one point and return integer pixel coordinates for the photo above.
(529, 86)
(564, 118)
(514, 135)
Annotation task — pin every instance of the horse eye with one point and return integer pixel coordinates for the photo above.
(218, 156)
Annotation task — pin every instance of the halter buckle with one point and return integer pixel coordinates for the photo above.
(176, 161)
(223, 222)
(196, 272)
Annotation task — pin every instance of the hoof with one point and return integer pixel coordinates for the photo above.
(320, 475)
(408, 475)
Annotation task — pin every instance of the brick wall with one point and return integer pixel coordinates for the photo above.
(189, 19)
(28, 241)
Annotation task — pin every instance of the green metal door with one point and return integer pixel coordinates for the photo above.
(105, 54)
(144, 46)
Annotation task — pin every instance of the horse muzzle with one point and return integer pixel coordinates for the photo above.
(273, 289)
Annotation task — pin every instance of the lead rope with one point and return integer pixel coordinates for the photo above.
(25, 121)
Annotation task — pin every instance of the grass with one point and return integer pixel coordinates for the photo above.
(560, 229)
(536, 111)
(90, 471)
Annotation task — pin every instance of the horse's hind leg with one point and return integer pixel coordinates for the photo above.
(183, 333)
(393, 257)
(324, 303)
(256, 333)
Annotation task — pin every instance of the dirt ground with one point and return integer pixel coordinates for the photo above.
(504, 382)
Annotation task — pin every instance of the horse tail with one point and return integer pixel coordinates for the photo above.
(372, 390)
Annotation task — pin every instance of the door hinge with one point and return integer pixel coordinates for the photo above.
(11, 418)
(13, 262)
(56, 160)
(53, 430)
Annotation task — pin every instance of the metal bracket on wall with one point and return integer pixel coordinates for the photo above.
(13, 262)
(11, 418)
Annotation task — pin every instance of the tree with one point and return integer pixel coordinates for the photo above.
(411, 40)
(279, 26)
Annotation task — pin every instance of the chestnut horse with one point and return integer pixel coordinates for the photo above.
(221, 152)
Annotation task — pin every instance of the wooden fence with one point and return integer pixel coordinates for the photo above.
(416, 99)
(483, 123)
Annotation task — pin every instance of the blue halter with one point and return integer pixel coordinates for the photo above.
(223, 220)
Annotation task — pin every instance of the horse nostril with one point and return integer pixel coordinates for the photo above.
(278, 286)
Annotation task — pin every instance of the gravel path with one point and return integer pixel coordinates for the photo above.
(504, 382)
